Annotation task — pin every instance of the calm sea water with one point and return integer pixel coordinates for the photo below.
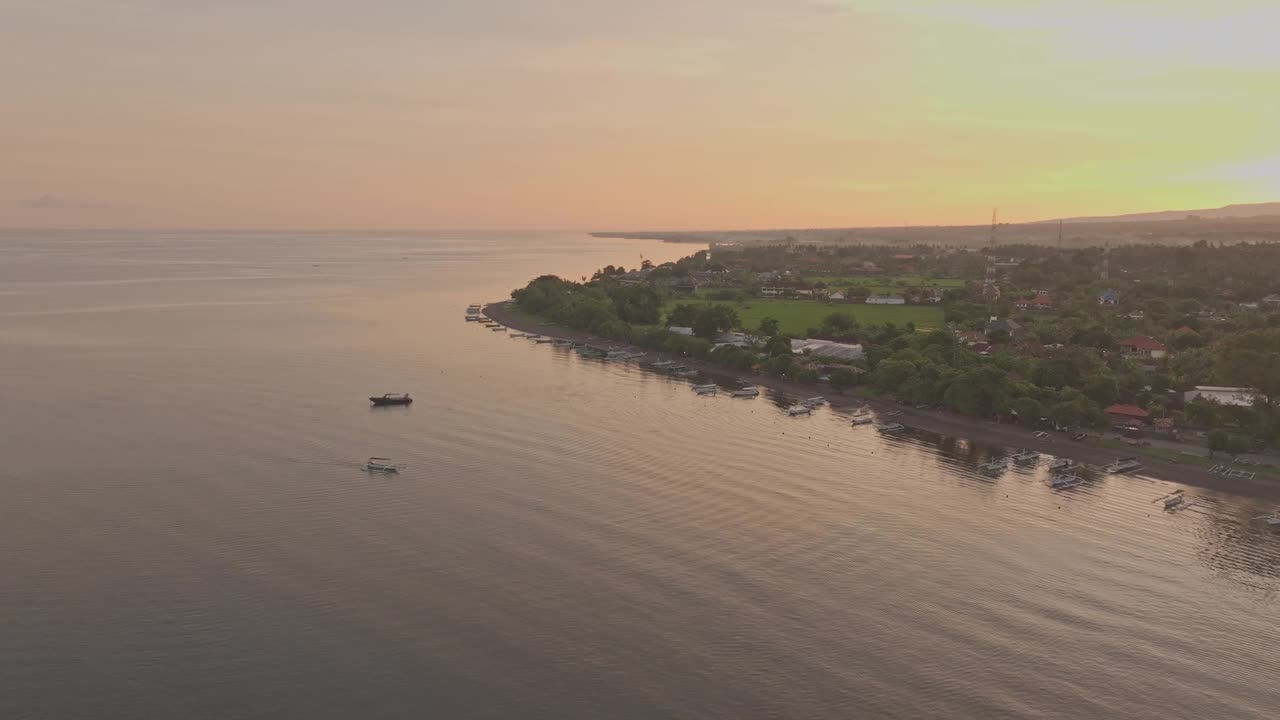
(186, 534)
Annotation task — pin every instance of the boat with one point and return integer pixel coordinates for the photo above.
(497, 328)
(517, 335)
(707, 390)
(746, 391)
(815, 401)
(708, 386)
(1061, 464)
(1272, 520)
(381, 464)
(534, 336)
(1175, 501)
(392, 399)
(863, 419)
(892, 427)
(800, 409)
(684, 372)
(543, 340)
(1123, 465)
(562, 344)
(995, 465)
(1026, 457)
(1064, 480)
(472, 318)
(473, 310)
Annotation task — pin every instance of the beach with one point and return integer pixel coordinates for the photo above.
(941, 422)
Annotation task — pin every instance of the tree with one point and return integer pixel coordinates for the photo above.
(711, 320)
(980, 392)
(1101, 389)
(842, 378)
(1028, 410)
(778, 345)
(682, 315)
(1217, 441)
(768, 326)
(1237, 444)
(838, 323)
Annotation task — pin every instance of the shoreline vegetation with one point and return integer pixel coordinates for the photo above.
(1167, 352)
(1093, 451)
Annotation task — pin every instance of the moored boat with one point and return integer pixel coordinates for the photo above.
(800, 409)
(746, 391)
(1026, 457)
(1123, 465)
(891, 427)
(1061, 464)
(1064, 480)
(863, 419)
(392, 399)
(381, 464)
(996, 465)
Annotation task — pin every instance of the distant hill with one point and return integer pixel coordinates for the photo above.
(1223, 213)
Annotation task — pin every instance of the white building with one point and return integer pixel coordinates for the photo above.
(680, 330)
(886, 300)
(1242, 397)
(827, 349)
(836, 296)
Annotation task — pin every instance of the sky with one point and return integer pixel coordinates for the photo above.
(605, 115)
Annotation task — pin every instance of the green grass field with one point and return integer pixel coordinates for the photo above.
(797, 316)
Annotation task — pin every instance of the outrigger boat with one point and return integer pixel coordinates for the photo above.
(863, 418)
(1061, 464)
(995, 465)
(1026, 457)
(748, 391)
(1273, 520)
(518, 335)
(815, 401)
(1123, 465)
(472, 318)
(473, 309)
(684, 372)
(391, 399)
(1175, 500)
(709, 387)
(381, 464)
(1064, 480)
(892, 427)
(800, 409)
(497, 328)
(563, 344)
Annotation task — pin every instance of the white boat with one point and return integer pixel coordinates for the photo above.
(815, 401)
(800, 409)
(684, 372)
(662, 364)
(1026, 457)
(1123, 465)
(497, 328)
(472, 318)
(517, 335)
(1064, 480)
(473, 310)
(1061, 464)
(863, 419)
(747, 391)
(707, 391)
(381, 464)
(995, 465)
(892, 427)
(708, 386)
(543, 340)
(563, 344)
(1272, 520)
(1173, 502)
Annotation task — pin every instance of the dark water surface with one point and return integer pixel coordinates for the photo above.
(185, 532)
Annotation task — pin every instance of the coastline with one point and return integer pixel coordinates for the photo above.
(938, 422)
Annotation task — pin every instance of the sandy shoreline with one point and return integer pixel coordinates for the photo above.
(934, 421)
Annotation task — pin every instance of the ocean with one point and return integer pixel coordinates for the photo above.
(187, 532)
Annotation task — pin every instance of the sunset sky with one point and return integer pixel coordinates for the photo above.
(597, 114)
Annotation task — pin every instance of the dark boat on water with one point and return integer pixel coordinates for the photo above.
(392, 399)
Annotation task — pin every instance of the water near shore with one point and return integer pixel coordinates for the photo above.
(187, 535)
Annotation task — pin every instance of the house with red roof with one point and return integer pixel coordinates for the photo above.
(1127, 414)
(1143, 347)
(1041, 302)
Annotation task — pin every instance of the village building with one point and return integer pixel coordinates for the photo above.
(1143, 347)
(836, 296)
(886, 300)
(1040, 302)
(772, 291)
(1240, 397)
(1127, 415)
(827, 349)
(1109, 297)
